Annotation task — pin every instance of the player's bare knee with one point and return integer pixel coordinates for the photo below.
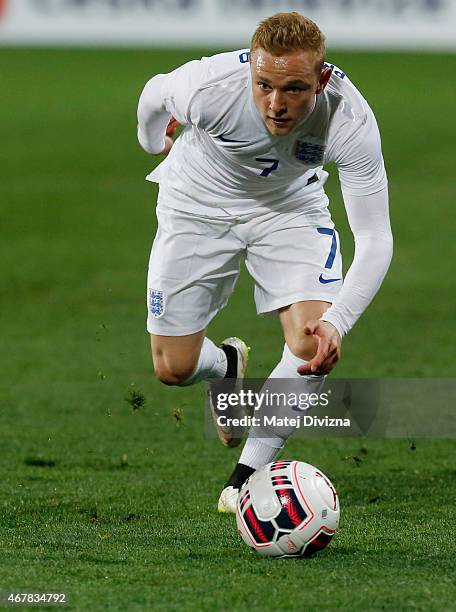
(173, 374)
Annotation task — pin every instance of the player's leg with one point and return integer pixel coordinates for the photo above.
(175, 357)
(193, 268)
(265, 442)
(293, 320)
(186, 360)
(287, 268)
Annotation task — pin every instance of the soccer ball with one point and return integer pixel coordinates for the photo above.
(287, 509)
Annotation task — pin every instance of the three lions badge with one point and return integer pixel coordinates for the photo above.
(309, 153)
(156, 303)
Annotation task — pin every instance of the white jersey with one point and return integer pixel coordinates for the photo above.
(227, 163)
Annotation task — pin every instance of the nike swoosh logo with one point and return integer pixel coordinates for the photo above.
(328, 280)
(225, 139)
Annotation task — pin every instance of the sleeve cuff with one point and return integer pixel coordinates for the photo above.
(334, 320)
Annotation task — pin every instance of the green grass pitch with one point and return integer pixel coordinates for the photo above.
(115, 506)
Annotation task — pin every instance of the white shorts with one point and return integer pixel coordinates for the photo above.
(195, 261)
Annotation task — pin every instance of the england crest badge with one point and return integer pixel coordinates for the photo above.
(156, 303)
(310, 153)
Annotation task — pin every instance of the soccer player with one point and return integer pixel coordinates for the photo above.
(246, 178)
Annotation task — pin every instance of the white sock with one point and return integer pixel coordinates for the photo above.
(212, 364)
(263, 445)
(288, 366)
(259, 451)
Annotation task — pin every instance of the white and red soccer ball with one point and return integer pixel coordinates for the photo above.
(287, 509)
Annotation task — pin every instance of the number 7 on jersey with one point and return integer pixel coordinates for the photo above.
(274, 164)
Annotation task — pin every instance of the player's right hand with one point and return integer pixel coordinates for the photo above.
(172, 127)
(170, 131)
(328, 350)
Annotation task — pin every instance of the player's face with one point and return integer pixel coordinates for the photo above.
(285, 86)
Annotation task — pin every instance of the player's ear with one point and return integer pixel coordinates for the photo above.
(324, 78)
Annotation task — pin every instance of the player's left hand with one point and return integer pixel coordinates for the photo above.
(328, 350)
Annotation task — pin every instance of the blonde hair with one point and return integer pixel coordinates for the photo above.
(285, 32)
